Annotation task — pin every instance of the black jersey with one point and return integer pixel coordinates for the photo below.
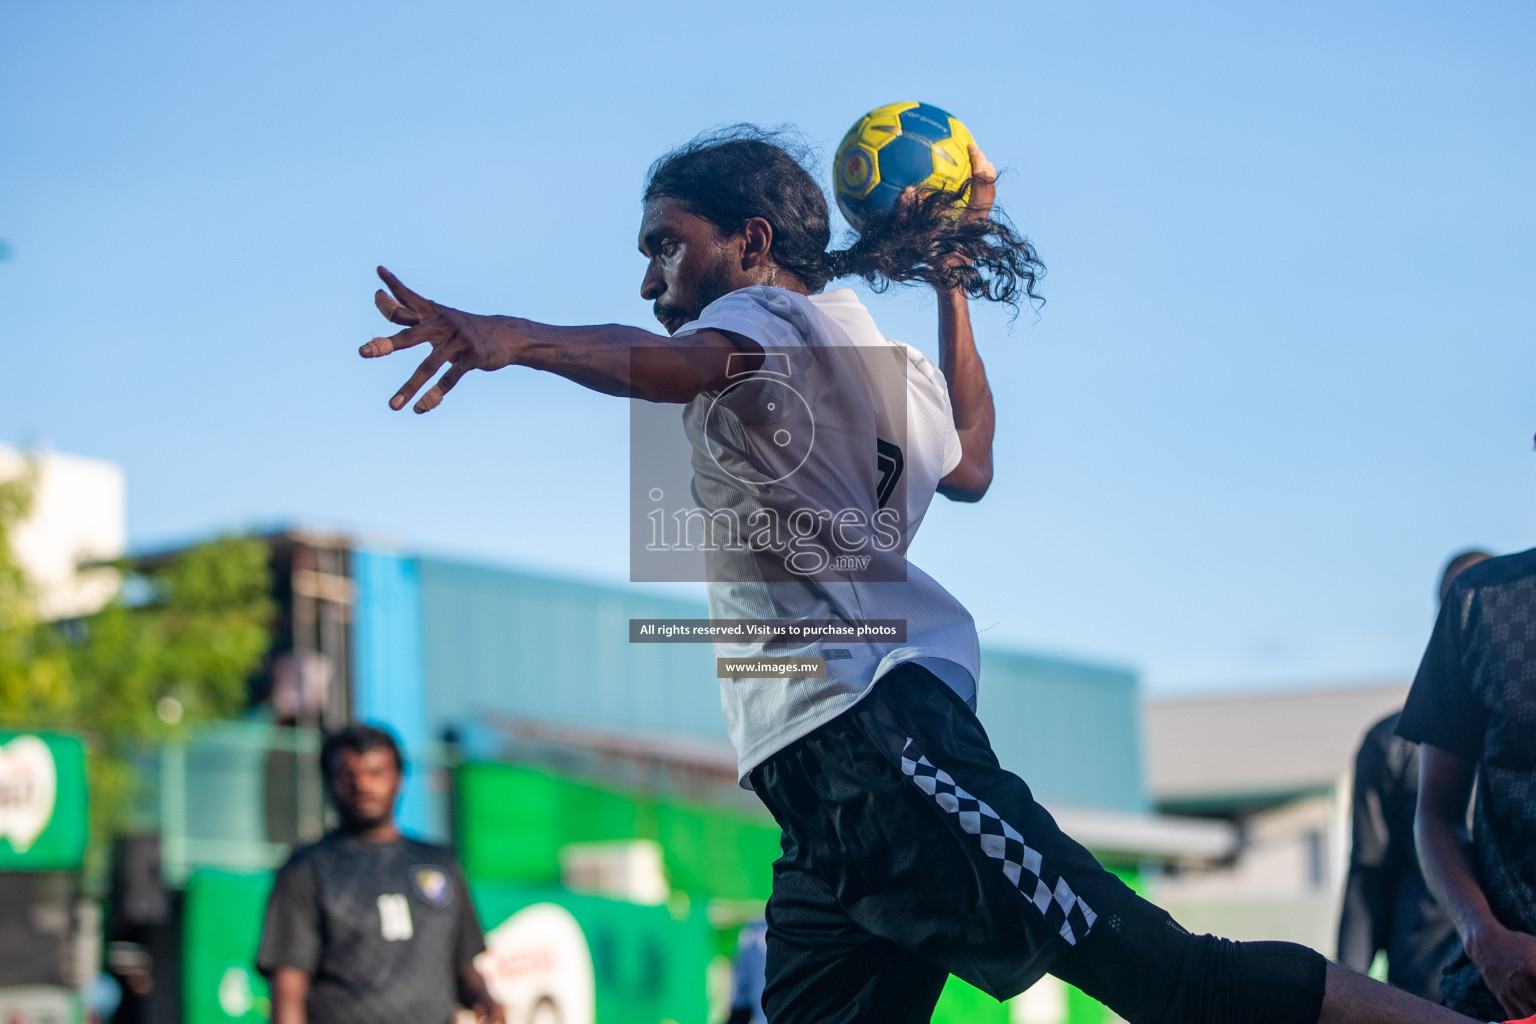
(381, 929)
(1475, 695)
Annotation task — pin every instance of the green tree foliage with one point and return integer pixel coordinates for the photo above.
(196, 640)
(34, 673)
(178, 644)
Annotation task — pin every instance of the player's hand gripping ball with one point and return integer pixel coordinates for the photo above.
(894, 147)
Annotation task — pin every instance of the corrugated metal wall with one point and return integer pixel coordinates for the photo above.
(499, 640)
(1072, 729)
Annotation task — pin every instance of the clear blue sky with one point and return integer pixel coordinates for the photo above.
(1286, 367)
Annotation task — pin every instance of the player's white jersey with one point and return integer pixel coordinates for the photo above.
(867, 460)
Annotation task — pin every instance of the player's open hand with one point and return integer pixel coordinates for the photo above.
(460, 341)
(978, 203)
(983, 190)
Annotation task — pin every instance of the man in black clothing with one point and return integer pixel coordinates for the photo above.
(368, 926)
(1387, 906)
(1473, 711)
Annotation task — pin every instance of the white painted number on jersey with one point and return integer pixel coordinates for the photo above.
(395, 917)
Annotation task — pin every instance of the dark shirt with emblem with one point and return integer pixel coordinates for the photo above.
(1475, 695)
(381, 928)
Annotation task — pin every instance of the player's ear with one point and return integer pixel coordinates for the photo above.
(757, 241)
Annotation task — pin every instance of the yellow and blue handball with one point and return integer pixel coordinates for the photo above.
(893, 147)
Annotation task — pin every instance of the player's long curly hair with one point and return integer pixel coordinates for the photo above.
(731, 175)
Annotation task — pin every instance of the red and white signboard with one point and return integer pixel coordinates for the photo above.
(537, 964)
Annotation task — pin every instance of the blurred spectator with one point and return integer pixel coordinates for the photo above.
(368, 926)
(1473, 709)
(750, 975)
(1387, 906)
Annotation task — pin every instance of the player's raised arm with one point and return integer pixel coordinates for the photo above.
(613, 359)
(970, 396)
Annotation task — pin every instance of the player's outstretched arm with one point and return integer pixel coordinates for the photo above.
(613, 359)
(970, 396)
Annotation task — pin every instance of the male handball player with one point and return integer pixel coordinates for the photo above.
(908, 853)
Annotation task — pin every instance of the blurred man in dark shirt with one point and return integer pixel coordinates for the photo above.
(368, 926)
(1387, 906)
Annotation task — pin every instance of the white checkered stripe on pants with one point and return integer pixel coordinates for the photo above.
(1040, 884)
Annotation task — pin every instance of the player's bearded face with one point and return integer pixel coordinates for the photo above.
(712, 282)
(690, 264)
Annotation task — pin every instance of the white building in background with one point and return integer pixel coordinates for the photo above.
(79, 515)
(1279, 766)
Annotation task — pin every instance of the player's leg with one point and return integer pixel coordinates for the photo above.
(1147, 968)
(1097, 934)
(822, 967)
(914, 863)
(1353, 998)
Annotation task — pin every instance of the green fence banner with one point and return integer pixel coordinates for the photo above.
(221, 928)
(552, 955)
(513, 820)
(42, 802)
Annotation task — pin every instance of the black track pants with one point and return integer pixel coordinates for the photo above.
(909, 854)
